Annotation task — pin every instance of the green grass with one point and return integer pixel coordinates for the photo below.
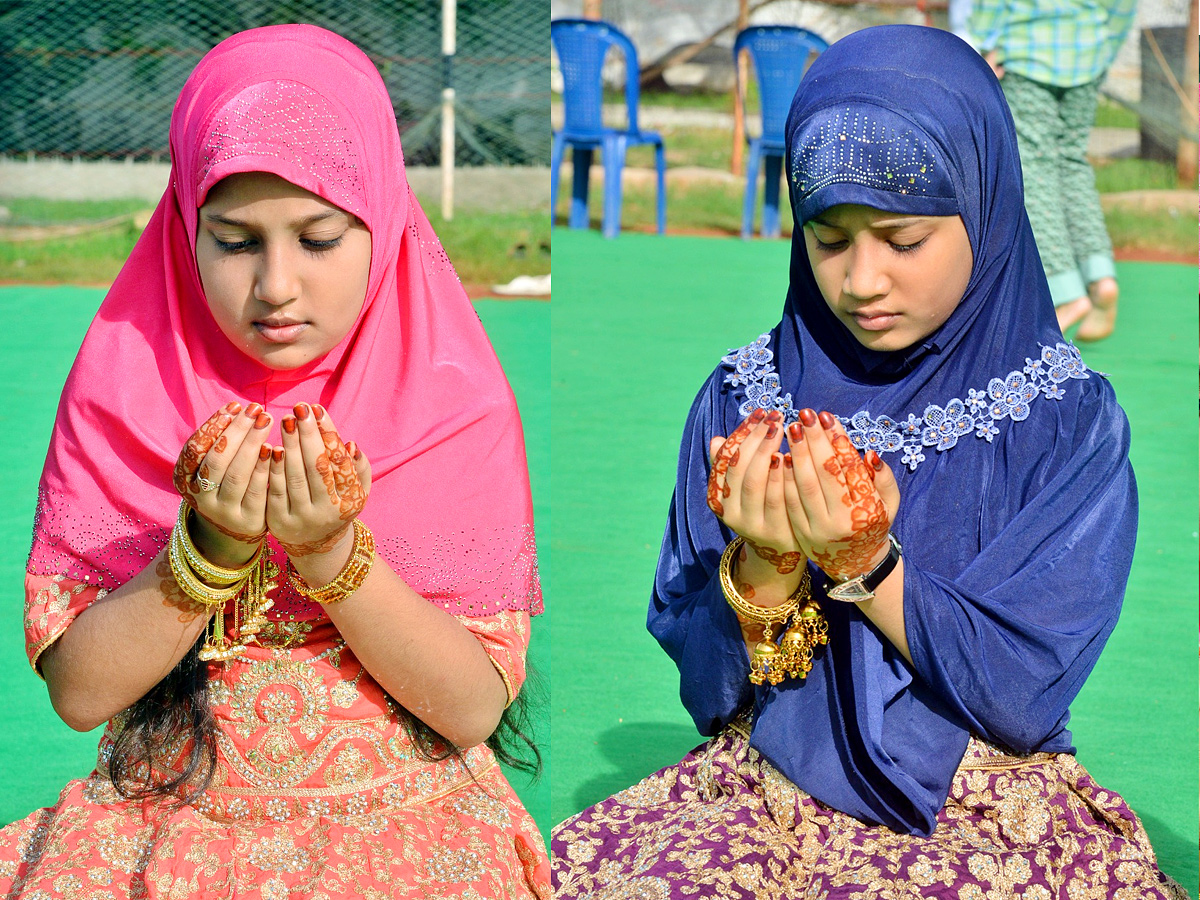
(1172, 232)
(1110, 114)
(1116, 175)
(486, 247)
(713, 147)
(713, 208)
(39, 211)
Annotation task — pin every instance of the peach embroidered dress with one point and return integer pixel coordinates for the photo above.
(319, 791)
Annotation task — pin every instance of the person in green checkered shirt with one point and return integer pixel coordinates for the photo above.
(1050, 58)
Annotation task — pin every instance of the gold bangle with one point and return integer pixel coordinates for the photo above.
(752, 612)
(207, 595)
(209, 571)
(792, 657)
(349, 579)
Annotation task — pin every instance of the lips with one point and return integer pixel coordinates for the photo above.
(280, 331)
(874, 320)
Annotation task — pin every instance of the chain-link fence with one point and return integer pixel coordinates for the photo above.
(98, 78)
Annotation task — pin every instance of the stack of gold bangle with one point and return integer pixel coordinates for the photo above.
(213, 587)
(350, 578)
(792, 656)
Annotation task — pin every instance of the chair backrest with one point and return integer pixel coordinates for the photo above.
(581, 45)
(781, 55)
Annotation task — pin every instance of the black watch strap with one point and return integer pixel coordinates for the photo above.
(863, 587)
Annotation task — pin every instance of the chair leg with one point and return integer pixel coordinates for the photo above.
(772, 168)
(660, 164)
(614, 163)
(753, 158)
(582, 159)
(556, 156)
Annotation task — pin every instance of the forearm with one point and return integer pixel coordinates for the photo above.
(120, 647)
(886, 610)
(761, 583)
(421, 655)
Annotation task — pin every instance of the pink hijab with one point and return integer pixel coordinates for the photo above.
(415, 383)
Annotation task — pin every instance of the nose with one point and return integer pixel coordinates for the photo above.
(866, 271)
(277, 281)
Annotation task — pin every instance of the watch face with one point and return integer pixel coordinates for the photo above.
(853, 591)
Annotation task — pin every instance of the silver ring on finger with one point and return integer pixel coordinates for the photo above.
(205, 485)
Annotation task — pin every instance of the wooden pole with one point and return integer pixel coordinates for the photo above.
(739, 96)
(1186, 156)
(449, 22)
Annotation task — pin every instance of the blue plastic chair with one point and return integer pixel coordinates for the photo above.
(581, 45)
(781, 55)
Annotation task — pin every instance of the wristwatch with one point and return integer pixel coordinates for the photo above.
(863, 587)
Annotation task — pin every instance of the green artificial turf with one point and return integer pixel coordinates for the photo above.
(639, 323)
(43, 329)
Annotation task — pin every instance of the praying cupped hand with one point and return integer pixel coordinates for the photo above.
(318, 484)
(746, 489)
(840, 504)
(222, 472)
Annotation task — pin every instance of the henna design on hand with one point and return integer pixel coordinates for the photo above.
(869, 520)
(336, 468)
(321, 545)
(195, 450)
(230, 533)
(784, 563)
(173, 595)
(728, 456)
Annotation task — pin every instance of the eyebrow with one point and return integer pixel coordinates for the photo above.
(883, 223)
(304, 222)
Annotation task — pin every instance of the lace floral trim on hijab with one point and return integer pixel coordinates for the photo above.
(1009, 397)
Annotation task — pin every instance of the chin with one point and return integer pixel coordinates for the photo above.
(281, 357)
(881, 340)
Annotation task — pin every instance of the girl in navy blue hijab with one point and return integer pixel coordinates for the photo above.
(882, 610)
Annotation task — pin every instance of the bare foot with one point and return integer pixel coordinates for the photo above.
(1072, 312)
(1098, 323)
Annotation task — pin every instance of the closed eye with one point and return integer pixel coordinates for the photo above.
(317, 247)
(907, 248)
(232, 246)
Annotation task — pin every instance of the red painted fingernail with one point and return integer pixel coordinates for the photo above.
(772, 430)
(233, 407)
(787, 460)
(352, 449)
(774, 416)
(826, 419)
(301, 410)
(876, 461)
(277, 454)
(264, 452)
(262, 421)
(758, 415)
(253, 410)
(318, 411)
(795, 432)
(808, 417)
(289, 424)
(775, 462)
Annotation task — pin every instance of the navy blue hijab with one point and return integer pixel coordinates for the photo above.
(1018, 506)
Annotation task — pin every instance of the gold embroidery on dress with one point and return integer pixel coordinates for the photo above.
(724, 822)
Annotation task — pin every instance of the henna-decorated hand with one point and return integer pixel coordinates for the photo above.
(228, 451)
(318, 486)
(840, 505)
(745, 490)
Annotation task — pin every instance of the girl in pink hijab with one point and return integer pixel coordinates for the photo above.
(284, 540)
